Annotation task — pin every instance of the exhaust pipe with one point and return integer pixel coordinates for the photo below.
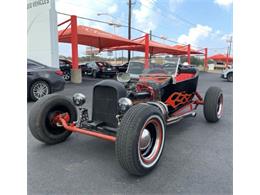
(175, 119)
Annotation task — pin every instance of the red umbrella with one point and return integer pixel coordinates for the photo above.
(94, 37)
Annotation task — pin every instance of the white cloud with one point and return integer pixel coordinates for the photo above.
(144, 16)
(112, 9)
(226, 37)
(195, 35)
(223, 3)
(87, 8)
(174, 4)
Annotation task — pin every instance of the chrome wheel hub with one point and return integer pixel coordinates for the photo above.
(40, 90)
(151, 140)
(145, 139)
(220, 107)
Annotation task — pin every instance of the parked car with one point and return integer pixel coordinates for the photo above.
(135, 118)
(65, 67)
(42, 80)
(84, 68)
(228, 74)
(169, 67)
(122, 68)
(96, 69)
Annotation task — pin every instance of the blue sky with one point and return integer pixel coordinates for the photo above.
(203, 23)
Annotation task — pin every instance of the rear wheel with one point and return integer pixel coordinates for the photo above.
(94, 74)
(213, 104)
(230, 77)
(39, 89)
(140, 139)
(41, 119)
(67, 76)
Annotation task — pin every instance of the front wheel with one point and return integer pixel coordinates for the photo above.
(213, 104)
(42, 118)
(140, 139)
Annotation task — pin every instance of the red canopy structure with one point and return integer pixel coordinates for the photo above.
(221, 57)
(154, 47)
(94, 37)
(185, 48)
(78, 34)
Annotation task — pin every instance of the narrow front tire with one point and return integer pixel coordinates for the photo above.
(140, 139)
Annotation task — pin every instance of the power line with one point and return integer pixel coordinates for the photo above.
(192, 24)
(109, 23)
(136, 29)
(122, 25)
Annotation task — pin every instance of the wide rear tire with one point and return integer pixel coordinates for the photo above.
(140, 139)
(41, 117)
(213, 104)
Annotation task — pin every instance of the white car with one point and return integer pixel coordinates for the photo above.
(228, 74)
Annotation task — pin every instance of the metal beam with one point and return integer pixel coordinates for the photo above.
(146, 64)
(74, 42)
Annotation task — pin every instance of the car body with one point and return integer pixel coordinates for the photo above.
(133, 113)
(84, 68)
(65, 67)
(227, 74)
(122, 67)
(42, 80)
(98, 68)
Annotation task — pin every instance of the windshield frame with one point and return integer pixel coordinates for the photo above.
(153, 66)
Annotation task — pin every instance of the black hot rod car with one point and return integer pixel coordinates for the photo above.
(133, 113)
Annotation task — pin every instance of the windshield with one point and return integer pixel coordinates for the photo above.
(156, 67)
(103, 64)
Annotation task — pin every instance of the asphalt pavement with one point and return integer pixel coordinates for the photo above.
(197, 158)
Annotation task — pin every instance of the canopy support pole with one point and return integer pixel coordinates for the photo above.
(76, 76)
(226, 61)
(206, 59)
(188, 54)
(146, 64)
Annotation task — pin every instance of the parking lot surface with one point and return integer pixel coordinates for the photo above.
(197, 157)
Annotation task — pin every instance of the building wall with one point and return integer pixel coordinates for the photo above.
(42, 32)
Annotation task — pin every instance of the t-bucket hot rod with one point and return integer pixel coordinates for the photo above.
(133, 112)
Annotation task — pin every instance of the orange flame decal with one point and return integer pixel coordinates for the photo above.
(178, 98)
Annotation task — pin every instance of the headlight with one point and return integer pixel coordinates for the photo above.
(124, 104)
(79, 99)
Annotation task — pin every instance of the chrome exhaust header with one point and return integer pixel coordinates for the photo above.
(175, 119)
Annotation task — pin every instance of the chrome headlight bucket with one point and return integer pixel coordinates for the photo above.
(124, 104)
(79, 99)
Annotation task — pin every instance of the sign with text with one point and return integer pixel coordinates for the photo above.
(42, 32)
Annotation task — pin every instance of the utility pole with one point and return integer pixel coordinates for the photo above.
(129, 25)
(230, 45)
(229, 41)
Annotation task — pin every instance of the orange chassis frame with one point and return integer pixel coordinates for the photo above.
(63, 120)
